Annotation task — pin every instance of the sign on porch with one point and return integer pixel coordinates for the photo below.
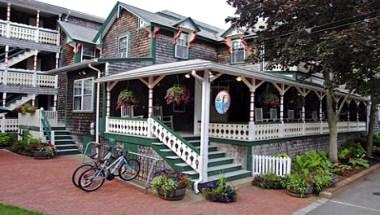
(222, 102)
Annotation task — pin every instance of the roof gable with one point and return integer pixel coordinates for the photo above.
(187, 23)
(77, 32)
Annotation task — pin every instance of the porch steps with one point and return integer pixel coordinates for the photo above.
(64, 143)
(219, 164)
(18, 57)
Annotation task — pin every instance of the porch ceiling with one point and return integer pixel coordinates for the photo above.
(183, 67)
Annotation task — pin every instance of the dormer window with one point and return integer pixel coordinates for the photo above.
(182, 46)
(88, 52)
(238, 52)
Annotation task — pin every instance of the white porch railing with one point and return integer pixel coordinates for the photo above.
(52, 116)
(27, 78)
(267, 164)
(277, 130)
(8, 125)
(28, 32)
(136, 127)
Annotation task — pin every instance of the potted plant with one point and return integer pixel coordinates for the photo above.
(170, 185)
(268, 181)
(27, 108)
(219, 191)
(271, 99)
(44, 151)
(297, 186)
(125, 98)
(177, 95)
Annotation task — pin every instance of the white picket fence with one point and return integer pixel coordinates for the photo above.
(267, 164)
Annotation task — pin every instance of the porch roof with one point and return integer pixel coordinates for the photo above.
(184, 67)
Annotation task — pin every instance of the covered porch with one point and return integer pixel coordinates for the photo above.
(261, 106)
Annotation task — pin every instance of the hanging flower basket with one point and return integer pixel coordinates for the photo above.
(177, 94)
(125, 98)
(272, 100)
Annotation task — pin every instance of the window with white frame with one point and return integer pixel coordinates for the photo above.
(83, 94)
(123, 46)
(182, 46)
(88, 52)
(238, 52)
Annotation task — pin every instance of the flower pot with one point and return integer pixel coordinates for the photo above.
(307, 194)
(41, 155)
(177, 194)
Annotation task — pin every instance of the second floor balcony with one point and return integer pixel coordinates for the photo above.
(27, 32)
(21, 78)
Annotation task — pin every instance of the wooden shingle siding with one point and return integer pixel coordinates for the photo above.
(115, 68)
(139, 42)
(199, 49)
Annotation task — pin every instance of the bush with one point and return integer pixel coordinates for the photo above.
(341, 169)
(358, 162)
(320, 181)
(311, 161)
(168, 181)
(353, 154)
(268, 181)
(5, 139)
(27, 108)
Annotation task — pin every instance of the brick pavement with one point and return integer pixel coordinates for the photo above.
(45, 185)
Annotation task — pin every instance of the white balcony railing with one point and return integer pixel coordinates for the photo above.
(278, 130)
(8, 125)
(133, 127)
(27, 78)
(28, 32)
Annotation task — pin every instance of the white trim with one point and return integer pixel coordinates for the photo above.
(122, 36)
(82, 96)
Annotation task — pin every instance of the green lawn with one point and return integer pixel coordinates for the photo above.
(12, 210)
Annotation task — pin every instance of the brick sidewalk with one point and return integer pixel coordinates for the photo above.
(45, 185)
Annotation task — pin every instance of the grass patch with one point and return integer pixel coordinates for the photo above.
(13, 210)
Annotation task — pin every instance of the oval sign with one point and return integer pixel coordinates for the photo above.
(222, 102)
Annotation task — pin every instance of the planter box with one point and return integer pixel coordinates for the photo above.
(176, 195)
(307, 194)
(41, 155)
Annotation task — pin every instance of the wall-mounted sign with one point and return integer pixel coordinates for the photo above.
(222, 102)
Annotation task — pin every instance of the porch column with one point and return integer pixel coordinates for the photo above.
(4, 99)
(6, 56)
(368, 114)
(108, 104)
(357, 113)
(37, 33)
(55, 101)
(150, 109)
(282, 107)
(197, 105)
(8, 34)
(205, 119)
(251, 125)
(320, 98)
(303, 115)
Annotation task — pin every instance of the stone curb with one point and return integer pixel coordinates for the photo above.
(342, 185)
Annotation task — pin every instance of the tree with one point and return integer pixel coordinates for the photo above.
(317, 34)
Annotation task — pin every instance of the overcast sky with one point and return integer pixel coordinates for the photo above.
(210, 11)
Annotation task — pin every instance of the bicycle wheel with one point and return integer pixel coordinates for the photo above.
(129, 170)
(78, 172)
(91, 179)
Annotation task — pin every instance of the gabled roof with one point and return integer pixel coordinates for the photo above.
(77, 32)
(190, 21)
(53, 9)
(164, 18)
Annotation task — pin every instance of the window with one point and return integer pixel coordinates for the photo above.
(238, 52)
(88, 52)
(182, 46)
(83, 94)
(123, 46)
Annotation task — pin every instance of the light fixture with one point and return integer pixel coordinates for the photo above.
(187, 75)
(238, 78)
(211, 74)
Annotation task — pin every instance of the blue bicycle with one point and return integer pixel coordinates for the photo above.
(93, 178)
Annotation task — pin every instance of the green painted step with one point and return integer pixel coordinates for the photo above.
(211, 155)
(231, 176)
(58, 128)
(66, 146)
(62, 132)
(217, 170)
(68, 152)
(63, 142)
(211, 163)
(62, 137)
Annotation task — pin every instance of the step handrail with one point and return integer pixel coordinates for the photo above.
(176, 143)
(46, 126)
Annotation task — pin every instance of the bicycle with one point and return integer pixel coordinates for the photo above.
(92, 179)
(97, 160)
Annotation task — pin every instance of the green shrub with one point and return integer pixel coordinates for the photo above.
(219, 191)
(341, 169)
(311, 161)
(5, 139)
(27, 108)
(376, 140)
(359, 162)
(320, 181)
(268, 181)
(281, 155)
(296, 183)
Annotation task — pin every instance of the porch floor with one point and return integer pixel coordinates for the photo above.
(45, 185)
